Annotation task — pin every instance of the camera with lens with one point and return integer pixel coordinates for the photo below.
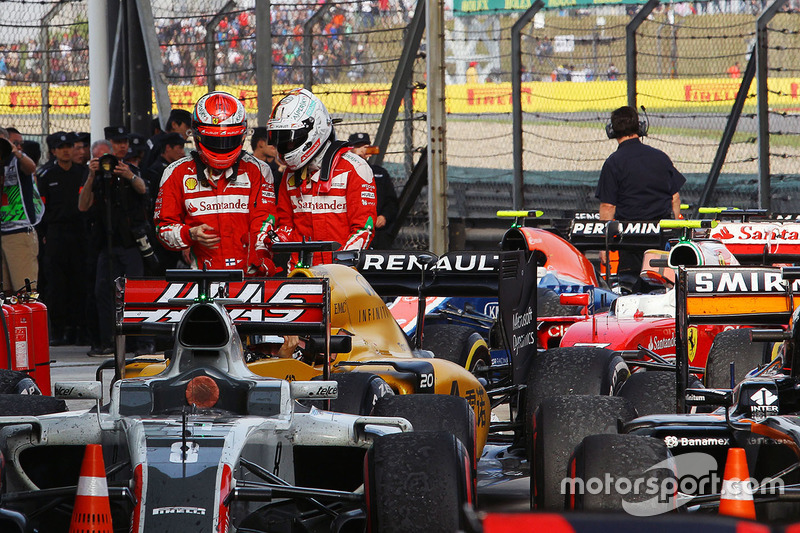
(148, 254)
(107, 164)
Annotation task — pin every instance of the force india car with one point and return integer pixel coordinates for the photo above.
(578, 438)
(209, 446)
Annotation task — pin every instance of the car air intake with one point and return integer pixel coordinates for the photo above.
(203, 326)
(684, 255)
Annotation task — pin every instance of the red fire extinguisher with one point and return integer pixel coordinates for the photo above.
(7, 342)
(19, 330)
(40, 338)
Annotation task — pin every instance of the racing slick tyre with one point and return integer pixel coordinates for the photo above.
(33, 405)
(571, 371)
(16, 382)
(458, 344)
(650, 392)
(433, 412)
(622, 472)
(732, 346)
(417, 482)
(358, 392)
(561, 423)
(548, 303)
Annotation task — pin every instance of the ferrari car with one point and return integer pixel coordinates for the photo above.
(209, 445)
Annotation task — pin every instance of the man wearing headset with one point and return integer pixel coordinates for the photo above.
(637, 182)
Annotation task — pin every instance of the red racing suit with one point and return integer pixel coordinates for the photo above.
(341, 208)
(240, 208)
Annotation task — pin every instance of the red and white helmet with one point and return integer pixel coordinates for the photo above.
(299, 127)
(219, 124)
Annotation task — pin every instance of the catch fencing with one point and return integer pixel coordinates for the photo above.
(690, 59)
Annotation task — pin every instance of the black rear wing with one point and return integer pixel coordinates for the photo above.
(403, 273)
(616, 235)
(735, 295)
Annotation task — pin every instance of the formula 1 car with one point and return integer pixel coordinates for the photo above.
(583, 437)
(377, 360)
(210, 446)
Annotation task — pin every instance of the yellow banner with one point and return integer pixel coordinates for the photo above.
(537, 97)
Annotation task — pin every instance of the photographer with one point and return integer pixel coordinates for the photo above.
(117, 196)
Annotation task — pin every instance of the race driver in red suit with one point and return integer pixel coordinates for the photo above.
(328, 192)
(219, 203)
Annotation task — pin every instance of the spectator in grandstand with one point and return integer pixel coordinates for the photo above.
(734, 71)
(65, 241)
(637, 182)
(220, 204)
(612, 72)
(328, 192)
(386, 197)
(472, 72)
(20, 210)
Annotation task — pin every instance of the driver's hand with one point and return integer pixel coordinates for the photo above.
(205, 236)
(290, 345)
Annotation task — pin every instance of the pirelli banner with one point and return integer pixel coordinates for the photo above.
(537, 97)
(735, 295)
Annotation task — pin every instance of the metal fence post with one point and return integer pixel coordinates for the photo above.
(43, 35)
(630, 48)
(518, 191)
(263, 60)
(211, 52)
(308, 41)
(762, 74)
(437, 130)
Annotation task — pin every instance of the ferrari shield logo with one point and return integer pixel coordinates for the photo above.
(691, 339)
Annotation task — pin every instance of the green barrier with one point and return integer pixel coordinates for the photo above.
(693, 224)
(517, 214)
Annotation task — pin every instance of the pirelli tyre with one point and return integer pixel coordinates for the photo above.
(651, 392)
(571, 371)
(459, 344)
(358, 392)
(15, 382)
(417, 481)
(548, 303)
(560, 424)
(628, 473)
(733, 346)
(434, 412)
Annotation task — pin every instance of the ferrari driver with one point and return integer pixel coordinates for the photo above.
(219, 203)
(329, 192)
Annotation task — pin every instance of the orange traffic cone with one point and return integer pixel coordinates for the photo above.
(92, 512)
(737, 493)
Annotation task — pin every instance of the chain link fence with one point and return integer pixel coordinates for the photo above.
(44, 58)
(691, 57)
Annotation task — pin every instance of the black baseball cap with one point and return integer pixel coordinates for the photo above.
(59, 139)
(357, 139)
(116, 133)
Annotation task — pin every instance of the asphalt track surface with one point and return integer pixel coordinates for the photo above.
(70, 363)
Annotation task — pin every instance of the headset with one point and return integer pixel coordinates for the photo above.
(644, 126)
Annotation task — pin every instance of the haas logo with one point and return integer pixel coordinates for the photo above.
(723, 234)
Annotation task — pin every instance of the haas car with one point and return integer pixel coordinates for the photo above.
(208, 445)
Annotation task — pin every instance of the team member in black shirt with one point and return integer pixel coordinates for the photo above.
(637, 182)
(60, 182)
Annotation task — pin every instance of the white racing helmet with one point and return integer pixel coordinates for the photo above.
(299, 127)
